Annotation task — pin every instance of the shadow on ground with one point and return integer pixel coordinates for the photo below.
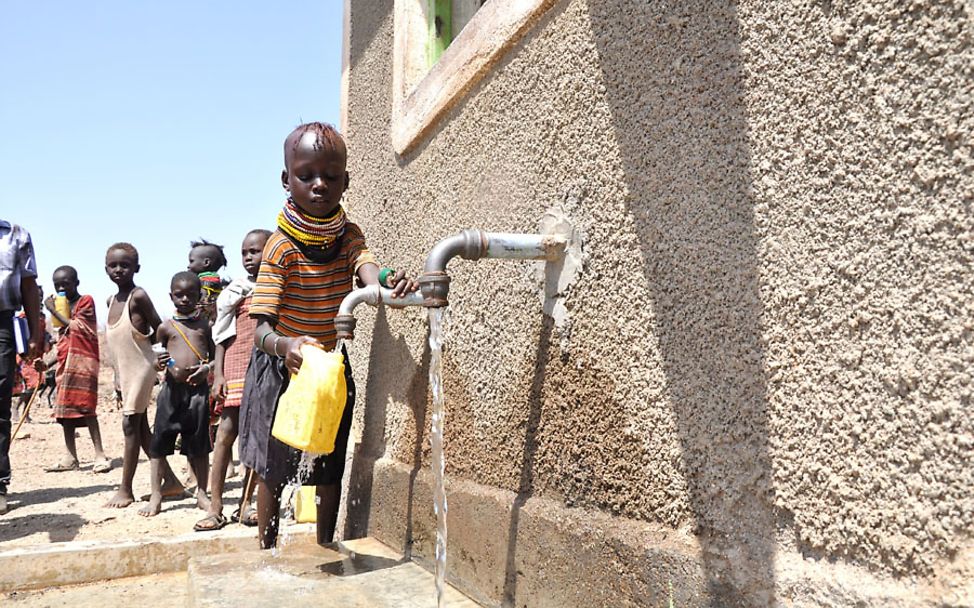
(61, 527)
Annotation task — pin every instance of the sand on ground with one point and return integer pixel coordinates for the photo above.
(60, 507)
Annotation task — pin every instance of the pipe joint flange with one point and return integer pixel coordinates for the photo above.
(345, 327)
(435, 287)
(474, 244)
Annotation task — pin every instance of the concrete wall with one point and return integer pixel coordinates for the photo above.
(771, 344)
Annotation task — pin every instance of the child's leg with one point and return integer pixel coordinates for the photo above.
(328, 498)
(22, 402)
(131, 429)
(155, 499)
(200, 466)
(268, 512)
(226, 434)
(101, 462)
(70, 461)
(171, 486)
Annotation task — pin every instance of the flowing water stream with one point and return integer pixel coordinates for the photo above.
(437, 320)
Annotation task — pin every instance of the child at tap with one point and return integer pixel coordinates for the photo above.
(183, 404)
(77, 371)
(233, 334)
(310, 263)
(131, 329)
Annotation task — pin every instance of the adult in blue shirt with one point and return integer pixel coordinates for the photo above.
(18, 287)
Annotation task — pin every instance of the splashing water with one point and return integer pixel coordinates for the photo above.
(289, 498)
(437, 320)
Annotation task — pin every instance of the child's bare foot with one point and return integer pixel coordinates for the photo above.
(152, 509)
(120, 500)
(202, 501)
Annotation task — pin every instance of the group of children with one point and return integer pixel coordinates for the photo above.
(226, 350)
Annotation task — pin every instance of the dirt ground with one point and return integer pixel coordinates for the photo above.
(59, 507)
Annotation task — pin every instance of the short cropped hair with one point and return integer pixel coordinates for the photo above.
(261, 231)
(127, 248)
(220, 257)
(185, 276)
(66, 268)
(327, 137)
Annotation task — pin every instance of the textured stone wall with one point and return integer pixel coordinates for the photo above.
(771, 343)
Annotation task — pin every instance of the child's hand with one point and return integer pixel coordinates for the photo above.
(197, 374)
(401, 284)
(49, 303)
(162, 359)
(219, 390)
(293, 359)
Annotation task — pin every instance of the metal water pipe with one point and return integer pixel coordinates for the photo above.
(475, 244)
(372, 295)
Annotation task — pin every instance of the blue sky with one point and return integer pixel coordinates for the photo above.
(155, 123)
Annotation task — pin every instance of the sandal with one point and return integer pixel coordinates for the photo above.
(249, 521)
(103, 466)
(210, 523)
(62, 467)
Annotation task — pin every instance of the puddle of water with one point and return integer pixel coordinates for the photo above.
(437, 320)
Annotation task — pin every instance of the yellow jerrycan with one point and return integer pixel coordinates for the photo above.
(310, 410)
(63, 308)
(305, 505)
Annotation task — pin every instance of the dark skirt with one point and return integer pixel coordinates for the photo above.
(277, 462)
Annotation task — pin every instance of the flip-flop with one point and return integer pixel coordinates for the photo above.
(62, 467)
(210, 523)
(102, 467)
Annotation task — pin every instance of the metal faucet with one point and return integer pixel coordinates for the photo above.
(434, 284)
(370, 294)
(475, 244)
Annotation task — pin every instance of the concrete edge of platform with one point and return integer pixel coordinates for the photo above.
(79, 562)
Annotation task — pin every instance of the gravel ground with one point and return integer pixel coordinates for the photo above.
(61, 507)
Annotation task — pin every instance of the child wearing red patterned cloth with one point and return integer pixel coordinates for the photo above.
(77, 371)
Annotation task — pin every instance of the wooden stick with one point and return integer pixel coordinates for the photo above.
(247, 490)
(30, 402)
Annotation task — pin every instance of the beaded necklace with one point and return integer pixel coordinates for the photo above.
(309, 230)
(211, 283)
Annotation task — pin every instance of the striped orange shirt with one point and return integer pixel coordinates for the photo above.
(301, 295)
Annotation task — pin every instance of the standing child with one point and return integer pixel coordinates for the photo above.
(309, 265)
(77, 371)
(183, 404)
(132, 322)
(206, 259)
(233, 333)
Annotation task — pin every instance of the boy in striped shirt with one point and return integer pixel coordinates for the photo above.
(309, 265)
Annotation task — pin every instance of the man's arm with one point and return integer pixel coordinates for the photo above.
(32, 306)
